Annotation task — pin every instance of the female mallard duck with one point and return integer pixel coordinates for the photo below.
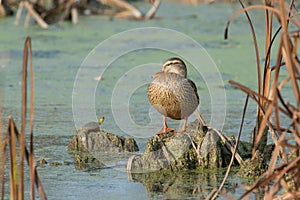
(172, 94)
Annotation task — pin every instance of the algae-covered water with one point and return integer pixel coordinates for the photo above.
(67, 59)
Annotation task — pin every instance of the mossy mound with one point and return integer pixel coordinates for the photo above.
(182, 151)
(199, 147)
(92, 147)
(93, 141)
(253, 167)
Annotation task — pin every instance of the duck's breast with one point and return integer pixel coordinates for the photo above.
(173, 96)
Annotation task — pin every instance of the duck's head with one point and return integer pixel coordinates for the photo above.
(173, 65)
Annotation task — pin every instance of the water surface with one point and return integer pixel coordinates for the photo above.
(58, 54)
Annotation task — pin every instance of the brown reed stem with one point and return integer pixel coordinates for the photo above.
(28, 53)
(283, 171)
(13, 160)
(37, 180)
(23, 119)
(17, 171)
(286, 51)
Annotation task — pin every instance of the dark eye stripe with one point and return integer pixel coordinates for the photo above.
(172, 62)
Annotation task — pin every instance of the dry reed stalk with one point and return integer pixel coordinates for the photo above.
(23, 120)
(28, 53)
(13, 160)
(17, 171)
(14, 134)
(283, 171)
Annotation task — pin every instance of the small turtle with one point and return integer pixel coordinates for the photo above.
(92, 126)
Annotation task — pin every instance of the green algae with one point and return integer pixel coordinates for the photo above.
(59, 52)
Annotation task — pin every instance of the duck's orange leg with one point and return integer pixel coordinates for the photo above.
(166, 129)
(183, 129)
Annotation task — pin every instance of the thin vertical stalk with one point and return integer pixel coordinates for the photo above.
(275, 83)
(13, 160)
(267, 72)
(262, 127)
(283, 172)
(266, 78)
(23, 121)
(286, 51)
(28, 44)
(255, 48)
(37, 180)
(259, 79)
(31, 154)
(17, 171)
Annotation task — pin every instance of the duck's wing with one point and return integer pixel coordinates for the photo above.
(194, 87)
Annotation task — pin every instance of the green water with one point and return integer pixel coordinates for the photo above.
(58, 54)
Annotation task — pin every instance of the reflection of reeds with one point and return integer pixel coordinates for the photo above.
(13, 135)
(283, 174)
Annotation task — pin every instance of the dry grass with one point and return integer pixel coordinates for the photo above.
(13, 138)
(282, 179)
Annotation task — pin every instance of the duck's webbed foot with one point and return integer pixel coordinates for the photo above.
(165, 130)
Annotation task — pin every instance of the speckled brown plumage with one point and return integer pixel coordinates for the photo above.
(172, 94)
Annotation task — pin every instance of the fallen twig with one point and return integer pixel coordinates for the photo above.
(150, 14)
(30, 12)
